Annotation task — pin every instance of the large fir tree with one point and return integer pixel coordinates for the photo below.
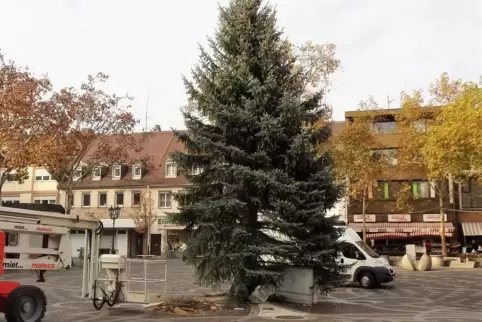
(251, 129)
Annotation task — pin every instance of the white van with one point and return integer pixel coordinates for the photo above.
(363, 264)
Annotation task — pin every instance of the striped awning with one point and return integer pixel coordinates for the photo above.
(472, 228)
(402, 227)
(387, 236)
(429, 233)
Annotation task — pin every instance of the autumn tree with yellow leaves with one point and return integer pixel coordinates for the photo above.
(144, 217)
(358, 162)
(442, 137)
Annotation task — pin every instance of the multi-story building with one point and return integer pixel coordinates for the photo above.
(469, 210)
(388, 227)
(38, 187)
(122, 184)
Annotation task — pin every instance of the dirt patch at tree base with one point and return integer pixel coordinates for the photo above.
(202, 307)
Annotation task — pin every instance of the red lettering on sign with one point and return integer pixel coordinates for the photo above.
(44, 229)
(42, 266)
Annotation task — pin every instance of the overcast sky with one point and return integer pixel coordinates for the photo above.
(146, 45)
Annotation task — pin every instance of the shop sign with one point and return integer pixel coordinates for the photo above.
(368, 218)
(433, 217)
(399, 218)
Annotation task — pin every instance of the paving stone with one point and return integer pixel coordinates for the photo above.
(442, 295)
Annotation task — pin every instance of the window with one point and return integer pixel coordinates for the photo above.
(12, 177)
(165, 199)
(102, 199)
(383, 189)
(96, 173)
(42, 174)
(136, 199)
(384, 127)
(77, 172)
(86, 200)
(420, 125)
(466, 187)
(183, 199)
(42, 178)
(11, 201)
(136, 172)
(119, 199)
(171, 170)
(196, 170)
(350, 251)
(421, 189)
(386, 155)
(12, 239)
(116, 172)
(45, 201)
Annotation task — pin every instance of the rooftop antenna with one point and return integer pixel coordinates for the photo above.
(147, 108)
(389, 101)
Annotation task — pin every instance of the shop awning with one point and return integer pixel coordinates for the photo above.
(472, 228)
(427, 228)
(387, 236)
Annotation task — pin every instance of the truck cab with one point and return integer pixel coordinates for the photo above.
(362, 264)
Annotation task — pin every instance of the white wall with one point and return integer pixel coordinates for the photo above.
(121, 243)
(77, 241)
(339, 210)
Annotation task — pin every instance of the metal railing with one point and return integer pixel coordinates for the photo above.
(145, 278)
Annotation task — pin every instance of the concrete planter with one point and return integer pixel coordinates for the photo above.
(437, 261)
(409, 263)
(425, 263)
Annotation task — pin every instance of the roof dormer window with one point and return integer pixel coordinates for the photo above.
(136, 172)
(116, 172)
(171, 169)
(77, 172)
(96, 173)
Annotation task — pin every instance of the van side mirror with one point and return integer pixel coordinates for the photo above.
(359, 256)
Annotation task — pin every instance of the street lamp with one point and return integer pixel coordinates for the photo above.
(114, 213)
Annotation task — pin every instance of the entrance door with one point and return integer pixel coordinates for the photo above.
(156, 244)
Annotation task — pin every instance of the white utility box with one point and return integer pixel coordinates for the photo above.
(112, 261)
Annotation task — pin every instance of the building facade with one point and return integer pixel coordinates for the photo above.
(122, 185)
(39, 187)
(388, 227)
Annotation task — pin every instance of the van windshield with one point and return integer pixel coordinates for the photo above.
(367, 249)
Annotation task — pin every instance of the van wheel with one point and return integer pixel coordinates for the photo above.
(367, 280)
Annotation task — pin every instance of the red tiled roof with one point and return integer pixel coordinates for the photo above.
(156, 147)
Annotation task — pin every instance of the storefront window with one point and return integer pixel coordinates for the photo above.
(383, 190)
(420, 189)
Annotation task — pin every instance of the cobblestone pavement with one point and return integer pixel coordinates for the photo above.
(443, 295)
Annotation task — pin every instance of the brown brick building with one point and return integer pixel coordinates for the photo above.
(391, 228)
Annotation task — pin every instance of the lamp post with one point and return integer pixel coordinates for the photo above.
(114, 213)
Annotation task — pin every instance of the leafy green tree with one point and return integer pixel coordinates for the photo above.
(251, 155)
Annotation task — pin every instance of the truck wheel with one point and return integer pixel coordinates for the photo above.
(367, 280)
(26, 303)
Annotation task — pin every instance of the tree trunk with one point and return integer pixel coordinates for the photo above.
(144, 243)
(442, 218)
(70, 201)
(364, 228)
